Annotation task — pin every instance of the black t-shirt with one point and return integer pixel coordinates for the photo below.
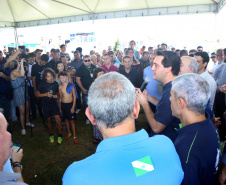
(52, 64)
(45, 87)
(133, 76)
(85, 75)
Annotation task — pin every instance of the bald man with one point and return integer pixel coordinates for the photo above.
(188, 65)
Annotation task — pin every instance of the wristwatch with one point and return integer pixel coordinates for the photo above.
(17, 164)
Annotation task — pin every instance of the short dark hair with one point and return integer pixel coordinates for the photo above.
(182, 52)
(110, 52)
(199, 47)
(128, 49)
(133, 41)
(177, 50)
(62, 46)
(45, 57)
(126, 56)
(62, 73)
(79, 49)
(77, 52)
(107, 54)
(213, 53)
(192, 50)
(86, 56)
(48, 70)
(27, 50)
(150, 47)
(143, 46)
(145, 52)
(31, 55)
(171, 59)
(204, 55)
(96, 71)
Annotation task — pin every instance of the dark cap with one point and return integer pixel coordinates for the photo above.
(45, 57)
(55, 50)
(37, 50)
(79, 49)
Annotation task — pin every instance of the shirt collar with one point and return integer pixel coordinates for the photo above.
(121, 141)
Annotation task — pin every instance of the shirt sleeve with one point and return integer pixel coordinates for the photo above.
(39, 87)
(163, 110)
(33, 71)
(79, 72)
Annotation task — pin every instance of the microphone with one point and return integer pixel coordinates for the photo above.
(145, 83)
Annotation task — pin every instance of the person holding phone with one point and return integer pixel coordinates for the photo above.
(47, 91)
(18, 82)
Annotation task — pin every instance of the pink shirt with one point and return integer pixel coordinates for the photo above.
(112, 68)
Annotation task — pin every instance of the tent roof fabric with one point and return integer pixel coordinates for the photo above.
(20, 11)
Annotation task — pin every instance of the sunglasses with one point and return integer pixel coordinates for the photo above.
(213, 57)
(87, 60)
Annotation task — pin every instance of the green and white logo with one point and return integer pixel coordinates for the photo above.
(142, 166)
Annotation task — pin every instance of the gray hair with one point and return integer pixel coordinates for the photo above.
(13, 64)
(193, 63)
(111, 99)
(194, 89)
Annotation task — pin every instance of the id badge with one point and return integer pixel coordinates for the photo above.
(91, 74)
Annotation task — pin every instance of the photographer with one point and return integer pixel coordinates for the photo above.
(18, 82)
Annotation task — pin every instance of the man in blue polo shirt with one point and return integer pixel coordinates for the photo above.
(197, 143)
(165, 68)
(124, 156)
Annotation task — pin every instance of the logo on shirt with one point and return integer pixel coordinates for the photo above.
(142, 166)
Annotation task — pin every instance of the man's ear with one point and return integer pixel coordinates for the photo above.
(136, 109)
(181, 103)
(90, 116)
(168, 69)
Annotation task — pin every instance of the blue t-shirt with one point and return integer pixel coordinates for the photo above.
(164, 114)
(152, 87)
(198, 147)
(126, 160)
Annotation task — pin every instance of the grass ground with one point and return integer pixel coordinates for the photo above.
(45, 163)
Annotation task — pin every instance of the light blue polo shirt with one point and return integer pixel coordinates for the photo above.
(133, 159)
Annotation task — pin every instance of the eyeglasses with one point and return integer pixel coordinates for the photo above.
(199, 50)
(87, 60)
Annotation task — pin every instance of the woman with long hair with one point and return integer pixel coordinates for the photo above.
(61, 67)
(17, 78)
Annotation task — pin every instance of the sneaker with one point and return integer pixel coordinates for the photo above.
(75, 140)
(30, 124)
(68, 136)
(51, 138)
(23, 132)
(77, 111)
(59, 140)
(87, 122)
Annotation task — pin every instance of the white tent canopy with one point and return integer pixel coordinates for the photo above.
(25, 13)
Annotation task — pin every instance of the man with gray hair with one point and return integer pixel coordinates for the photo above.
(124, 156)
(188, 65)
(197, 143)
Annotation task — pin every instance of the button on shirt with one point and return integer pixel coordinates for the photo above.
(152, 87)
(111, 68)
(112, 162)
(212, 84)
(198, 147)
(164, 114)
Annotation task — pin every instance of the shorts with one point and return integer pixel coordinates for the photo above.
(66, 111)
(50, 110)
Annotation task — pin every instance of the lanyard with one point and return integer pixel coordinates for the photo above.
(90, 70)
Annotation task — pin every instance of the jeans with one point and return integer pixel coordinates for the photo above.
(5, 104)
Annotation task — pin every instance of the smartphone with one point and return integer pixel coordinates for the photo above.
(16, 146)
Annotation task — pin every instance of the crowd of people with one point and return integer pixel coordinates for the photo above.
(184, 105)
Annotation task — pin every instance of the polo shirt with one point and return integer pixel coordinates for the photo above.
(112, 68)
(198, 147)
(76, 64)
(85, 75)
(164, 114)
(133, 76)
(152, 87)
(115, 158)
(212, 84)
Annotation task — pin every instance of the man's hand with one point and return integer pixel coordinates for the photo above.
(141, 97)
(17, 156)
(217, 122)
(223, 88)
(1, 74)
(72, 110)
(84, 91)
(48, 94)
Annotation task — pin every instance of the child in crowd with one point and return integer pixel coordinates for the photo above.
(47, 90)
(67, 103)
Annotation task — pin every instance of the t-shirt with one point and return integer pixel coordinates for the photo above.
(133, 76)
(45, 87)
(132, 159)
(5, 86)
(86, 75)
(76, 64)
(198, 147)
(36, 71)
(111, 68)
(53, 65)
(143, 63)
(164, 114)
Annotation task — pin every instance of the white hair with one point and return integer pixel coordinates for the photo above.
(111, 99)
(193, 63)
(194, 89)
